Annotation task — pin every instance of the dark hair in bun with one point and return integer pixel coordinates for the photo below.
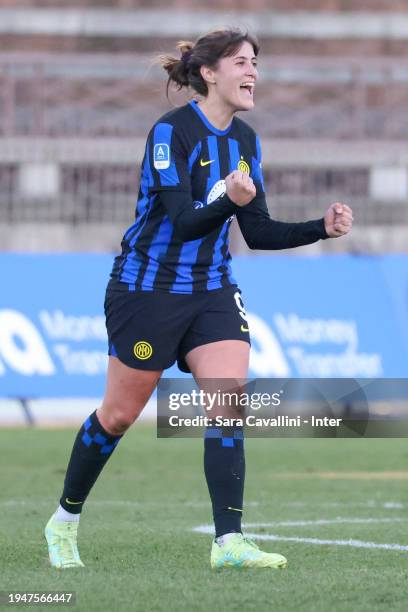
(206, 51)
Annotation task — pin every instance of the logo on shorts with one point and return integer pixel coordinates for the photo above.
(143, 350)
(161, 156)
(243, 166)
(241, 310)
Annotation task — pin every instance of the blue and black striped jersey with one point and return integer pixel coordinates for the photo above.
(179, 240)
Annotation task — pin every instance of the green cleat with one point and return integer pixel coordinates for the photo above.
(61, 537)
(240, 551)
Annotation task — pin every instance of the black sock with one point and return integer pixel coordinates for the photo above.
(224, 467)
(92, 448)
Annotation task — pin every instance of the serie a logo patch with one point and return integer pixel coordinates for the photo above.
(161, 156)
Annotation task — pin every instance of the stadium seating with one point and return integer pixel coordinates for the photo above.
(331, 110)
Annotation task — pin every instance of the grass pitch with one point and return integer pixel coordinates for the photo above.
(137, 538)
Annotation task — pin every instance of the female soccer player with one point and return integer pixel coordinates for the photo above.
(171, 295)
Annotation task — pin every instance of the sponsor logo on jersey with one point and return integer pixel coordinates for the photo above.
(143, 350)
(217, 191)
(161, 156)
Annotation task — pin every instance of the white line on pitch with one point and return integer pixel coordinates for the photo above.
(366, 504)
(354, 543)
(337, 520)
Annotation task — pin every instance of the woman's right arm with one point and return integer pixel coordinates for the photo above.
(169, 178)
(191, 223)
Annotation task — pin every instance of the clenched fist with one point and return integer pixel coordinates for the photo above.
(338, 220)
(240, 188)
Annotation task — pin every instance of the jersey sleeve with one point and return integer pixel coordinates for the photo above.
(168, 159)
(256, 173)
(190, 223)
(171, 181)
(262, 232)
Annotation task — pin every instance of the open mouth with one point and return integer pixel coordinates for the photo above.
(248, 86)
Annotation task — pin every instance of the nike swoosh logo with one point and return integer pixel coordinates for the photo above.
(205, 163)
(72, 503)
(244, 329)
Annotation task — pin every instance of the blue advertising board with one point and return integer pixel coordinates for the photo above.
(310, 317)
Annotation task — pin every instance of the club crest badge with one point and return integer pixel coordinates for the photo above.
(243, 166)
(143, 350)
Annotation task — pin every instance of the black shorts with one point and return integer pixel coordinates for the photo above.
(151, 330)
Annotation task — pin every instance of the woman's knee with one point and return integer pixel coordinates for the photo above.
(127, 393)
(117, 420)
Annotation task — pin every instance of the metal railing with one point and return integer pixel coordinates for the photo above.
(108, 194)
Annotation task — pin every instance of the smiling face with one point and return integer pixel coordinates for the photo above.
(233, 80)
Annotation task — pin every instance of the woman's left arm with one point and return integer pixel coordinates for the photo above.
(262, 232)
